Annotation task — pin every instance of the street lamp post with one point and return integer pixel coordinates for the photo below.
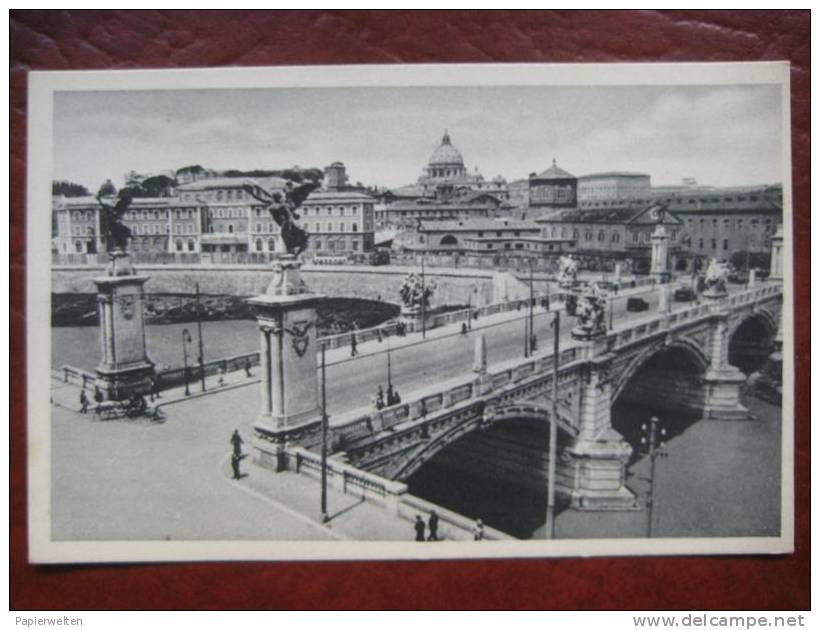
(611, 307)
(652, 438)
(533, 342)
(323, 500)
(199, 334)
(553, 435)
(186, 339)
(389, 369)
(423, 302)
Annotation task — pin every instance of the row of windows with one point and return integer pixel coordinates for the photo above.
(219, 195)
(329, 211)
(726, 224)
(354, 227)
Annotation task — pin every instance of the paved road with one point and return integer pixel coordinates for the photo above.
(352, 384)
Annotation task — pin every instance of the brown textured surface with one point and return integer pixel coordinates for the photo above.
(158, 39)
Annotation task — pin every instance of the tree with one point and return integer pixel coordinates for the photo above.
(153, 186)
(68, 189)
(107, 189)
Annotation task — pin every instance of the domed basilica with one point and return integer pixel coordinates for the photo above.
(446, 167)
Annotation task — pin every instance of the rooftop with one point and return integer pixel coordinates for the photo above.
(471, 225)
(554, 172)
(614, 174)
(328, 195)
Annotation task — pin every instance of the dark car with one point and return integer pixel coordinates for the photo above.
(636, 305)
(684, 294)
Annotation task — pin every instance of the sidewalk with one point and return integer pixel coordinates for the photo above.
(351, 518)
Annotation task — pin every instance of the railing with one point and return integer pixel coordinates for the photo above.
(174, 377)
(346, 478)
(75, 376)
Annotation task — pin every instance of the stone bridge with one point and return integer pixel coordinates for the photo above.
(695, 341)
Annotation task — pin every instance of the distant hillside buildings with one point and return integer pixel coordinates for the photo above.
(603, 216)
(218, 218)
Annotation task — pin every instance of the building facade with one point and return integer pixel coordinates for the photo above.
(219, 218)
(553, 189)
(339, 222)
(480, 237)
(612, 185)
(447, 205)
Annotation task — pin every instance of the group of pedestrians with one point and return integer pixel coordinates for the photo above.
(84, 402)
(431, 528)
(393, 397)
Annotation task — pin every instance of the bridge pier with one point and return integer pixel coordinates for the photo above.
(599, 456)
(290, 411)
(722, 380)
(124, 367)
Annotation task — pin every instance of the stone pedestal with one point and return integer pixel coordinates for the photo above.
(659, 266)
(483, 381)
(412, 317)
(124, 367)
(776, 266)
(290, 409)
(722, 400)
(599, 471)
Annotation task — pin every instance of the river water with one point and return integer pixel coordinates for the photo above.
(79, 346)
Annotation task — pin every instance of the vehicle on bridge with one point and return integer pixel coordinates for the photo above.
(636, 305)
(684, 294)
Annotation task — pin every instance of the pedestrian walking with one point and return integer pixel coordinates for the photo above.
(237, 442)
(154, 388)
(83, 401)
(432, 525)
(463, 328)
(248, 368)
(380, 398)
(98, 395)
(419, 525)
(353, 351)
(478, 530)
(223, 370)
(235, 459)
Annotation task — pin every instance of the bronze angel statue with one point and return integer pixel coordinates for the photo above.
(282, 207)
(114, 231)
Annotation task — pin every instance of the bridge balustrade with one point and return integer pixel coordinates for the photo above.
(346, 478)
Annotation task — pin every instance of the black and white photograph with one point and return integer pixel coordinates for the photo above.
(410, 312)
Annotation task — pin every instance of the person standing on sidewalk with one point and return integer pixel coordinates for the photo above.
(83, 401)
(432, 525)
(478, 530)
(248, 368)
(419, 526)
(353, 351)
(237, 442)
(236, 456)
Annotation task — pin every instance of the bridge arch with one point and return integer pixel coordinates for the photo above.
(689, 349)
(665, 380)
(751, 340)
(524, 412)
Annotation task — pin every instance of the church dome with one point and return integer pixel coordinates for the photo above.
(446, 153)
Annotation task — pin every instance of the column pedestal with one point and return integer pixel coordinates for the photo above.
(290, 411)
(124, 367)
(599, 471)
(722, 400)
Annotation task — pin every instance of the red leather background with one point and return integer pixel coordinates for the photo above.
(158, 39)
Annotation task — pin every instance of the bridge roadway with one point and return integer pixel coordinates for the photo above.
(352, 384)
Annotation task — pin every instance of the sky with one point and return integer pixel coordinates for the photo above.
(722, 136)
